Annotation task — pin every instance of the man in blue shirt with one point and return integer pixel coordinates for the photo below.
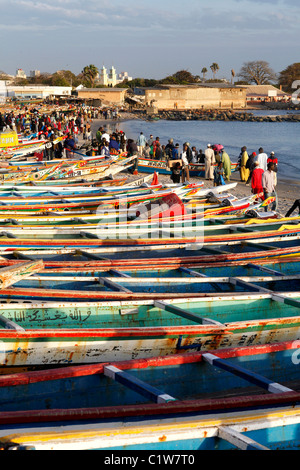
(141, 143)
(69, 146)
(114, 147)
(175, 152)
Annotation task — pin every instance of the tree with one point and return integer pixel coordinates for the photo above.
(214, 68)
(182, 77)
(258, 72)
(204, 72)
(64, 78)
(90, 73)
(288, 76)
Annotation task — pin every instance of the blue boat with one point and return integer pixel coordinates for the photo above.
(240, 398)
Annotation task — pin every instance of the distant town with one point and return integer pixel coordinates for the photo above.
(256, 83)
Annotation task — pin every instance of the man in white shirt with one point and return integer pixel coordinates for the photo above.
(262, 159)
(185, 164)
(209, 162)
(105, 136)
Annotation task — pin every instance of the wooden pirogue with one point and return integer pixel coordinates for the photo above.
(116, 319)
(242, 398)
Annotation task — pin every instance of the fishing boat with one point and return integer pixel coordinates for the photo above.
(273, 428)
(193, 238)
(242, 398)
(150, 228)
(28, 200)
(69, 171)
(107, 321)
(147, 165)
(167, 205)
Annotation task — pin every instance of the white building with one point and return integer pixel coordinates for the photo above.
(37, 91)
(111, 78)
(108, 79)
(20, 73)
(124, 76)
(3, 91)
(35, 73)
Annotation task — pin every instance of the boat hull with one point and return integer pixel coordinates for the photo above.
(89, 332)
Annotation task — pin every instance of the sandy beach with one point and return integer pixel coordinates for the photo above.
(287, 190)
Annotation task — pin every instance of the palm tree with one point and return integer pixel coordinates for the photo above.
(214, 68)
(204, 72)
(90, 73)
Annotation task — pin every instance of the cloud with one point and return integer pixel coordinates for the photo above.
(149, 33)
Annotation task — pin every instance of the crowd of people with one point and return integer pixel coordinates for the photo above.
(260, 171)
(257, 170)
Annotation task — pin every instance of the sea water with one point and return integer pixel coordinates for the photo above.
(281, 137)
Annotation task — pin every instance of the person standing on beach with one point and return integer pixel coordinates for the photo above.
(194, 155)
(175, 152)
(262, 159)
(155, 144)
(256, 179)
(132, 150)
(141, 143)
(226, 164)
(185, 164)
(169, 148)
(250, 165)
(273, 159)
(150, 141)
(268, 183)
(209, 162)
(123, 140)
(158, 151)
(201, 157)
(244, 171)
(106, 136)
(146, 151)
(69, 146)
(189, 153)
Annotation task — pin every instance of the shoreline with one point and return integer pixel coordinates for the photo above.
(287, 189)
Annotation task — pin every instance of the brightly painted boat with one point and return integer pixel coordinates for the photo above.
(72, 173)
(147, 165)
(120, 286)
(195, 238)
(43, 327)
(147, 229)
(172, 206)
(160, 440)
(215, 376)
(170, 267)
(21, 201)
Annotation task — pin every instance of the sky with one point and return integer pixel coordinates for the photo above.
(148, 38)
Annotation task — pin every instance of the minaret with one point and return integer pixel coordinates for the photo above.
(113, 76)
(103, 76)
